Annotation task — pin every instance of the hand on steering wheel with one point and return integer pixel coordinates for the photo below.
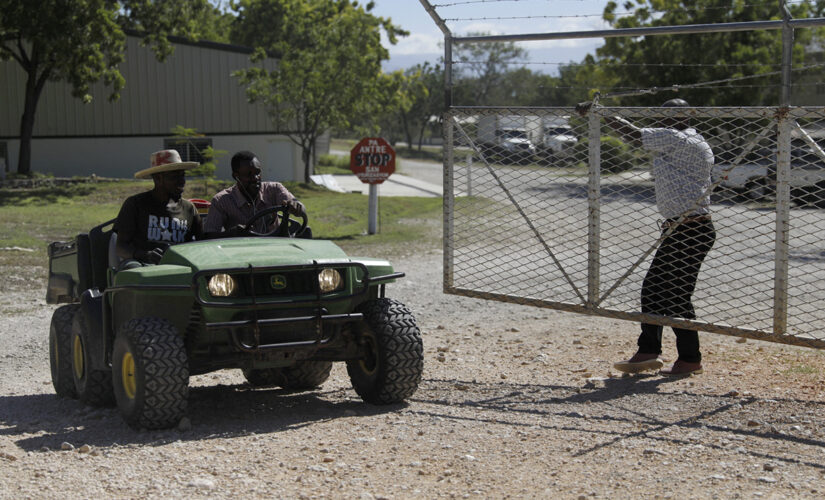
(283, 216)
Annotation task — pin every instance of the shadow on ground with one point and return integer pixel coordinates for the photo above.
(602, 414)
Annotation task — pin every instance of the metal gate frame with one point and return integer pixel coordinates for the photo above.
(590, 301)
(784, 115)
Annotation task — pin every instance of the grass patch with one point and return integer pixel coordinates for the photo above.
(344, 144)
(32, 218)
(801, 369)
(333, 164)
(431, 153)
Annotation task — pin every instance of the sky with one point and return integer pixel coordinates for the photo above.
(532, 16)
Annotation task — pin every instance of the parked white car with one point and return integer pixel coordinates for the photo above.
(755, 177)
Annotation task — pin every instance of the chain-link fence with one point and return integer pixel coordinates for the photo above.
(549, 208)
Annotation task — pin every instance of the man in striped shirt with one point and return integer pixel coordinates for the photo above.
(234, 206)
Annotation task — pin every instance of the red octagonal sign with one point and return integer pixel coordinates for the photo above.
(372, 160)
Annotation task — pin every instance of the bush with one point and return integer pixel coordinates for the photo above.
(616, 156)
(333, 164)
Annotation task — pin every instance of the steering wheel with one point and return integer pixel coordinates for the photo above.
(282, 214)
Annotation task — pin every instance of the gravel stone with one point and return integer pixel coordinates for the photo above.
(526, 392)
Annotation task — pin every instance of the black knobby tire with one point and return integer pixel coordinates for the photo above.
(93, 387)
(305, 375)
(60, 350)
(263, 377)
(392, 368)
(150, 373)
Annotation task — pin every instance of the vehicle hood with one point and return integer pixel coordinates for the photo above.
(257, 252)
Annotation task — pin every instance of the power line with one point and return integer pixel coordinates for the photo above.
(467, 2)
(568, 16)
(708, 84)
(608, 64)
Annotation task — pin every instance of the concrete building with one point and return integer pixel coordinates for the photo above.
(193, 88)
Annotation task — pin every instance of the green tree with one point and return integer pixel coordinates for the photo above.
(426, 96)
(663, 61)
(215, 23)
(206, 170)
(328, 74)
(82, 42)
(399, 90)
(480, 68)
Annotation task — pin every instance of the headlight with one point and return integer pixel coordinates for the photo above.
(221, 285)
(329, 280)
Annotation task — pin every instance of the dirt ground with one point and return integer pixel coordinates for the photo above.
(515, 402)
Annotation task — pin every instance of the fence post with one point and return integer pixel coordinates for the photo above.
(593, 212)
(448, 199)
(469, 174)
(787, 53)
(781, 243)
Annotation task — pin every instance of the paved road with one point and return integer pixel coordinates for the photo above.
(412, 178)
(737, 281)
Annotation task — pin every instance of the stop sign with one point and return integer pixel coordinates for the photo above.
(372, 160)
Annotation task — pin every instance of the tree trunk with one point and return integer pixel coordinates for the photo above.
(306, 155)
(421, 135)
(34, 87)
(406, 125)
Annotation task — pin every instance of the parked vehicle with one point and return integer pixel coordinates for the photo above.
(280, 309)
(557, 139)
(755, 177)
(506, 136)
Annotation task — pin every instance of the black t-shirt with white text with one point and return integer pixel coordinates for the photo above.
(148, 223)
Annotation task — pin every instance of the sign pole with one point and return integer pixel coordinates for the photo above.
(372, 223)
(372, 160)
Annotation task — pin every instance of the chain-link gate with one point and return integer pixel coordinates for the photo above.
(548, 208)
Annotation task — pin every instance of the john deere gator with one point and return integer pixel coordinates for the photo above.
(279, 308)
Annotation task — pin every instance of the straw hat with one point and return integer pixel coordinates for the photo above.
(165, 161)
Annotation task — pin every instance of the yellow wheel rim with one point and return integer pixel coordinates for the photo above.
(77, 354)
(127, 375)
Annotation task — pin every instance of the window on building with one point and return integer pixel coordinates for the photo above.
(190, 148)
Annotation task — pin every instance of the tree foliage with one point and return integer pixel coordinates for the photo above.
(480, 69)
(663, 61)
(328, 73)
(183, 136)
(426, 94)
(82, 42)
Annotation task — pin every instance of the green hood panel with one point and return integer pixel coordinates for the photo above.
(155, 275)
(376, 267)
(258, 252)
(181, 261)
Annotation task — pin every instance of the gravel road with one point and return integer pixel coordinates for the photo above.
(515, 402)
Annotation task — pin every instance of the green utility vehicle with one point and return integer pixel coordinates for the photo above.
(279, 308)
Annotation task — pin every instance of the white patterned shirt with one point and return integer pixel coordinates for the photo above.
(682, 163)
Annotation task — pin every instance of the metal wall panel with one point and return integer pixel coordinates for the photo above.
(194, 88)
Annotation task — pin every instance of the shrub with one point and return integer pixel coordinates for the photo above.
(616, 156)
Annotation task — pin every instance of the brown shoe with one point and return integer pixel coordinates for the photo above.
(682, 369)
(639, 362)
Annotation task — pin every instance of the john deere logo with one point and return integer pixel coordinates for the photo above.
(278, 281)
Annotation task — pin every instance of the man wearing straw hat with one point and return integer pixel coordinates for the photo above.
(148, 223)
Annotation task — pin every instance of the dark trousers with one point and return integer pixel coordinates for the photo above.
(669, 284)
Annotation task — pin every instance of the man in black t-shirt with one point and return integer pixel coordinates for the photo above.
(148, 223)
